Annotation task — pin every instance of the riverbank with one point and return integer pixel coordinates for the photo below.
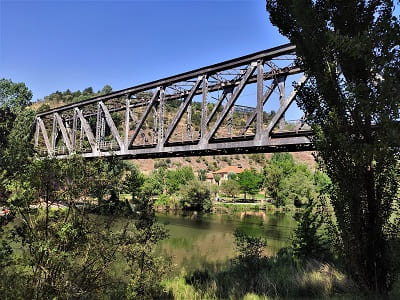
(232, 207)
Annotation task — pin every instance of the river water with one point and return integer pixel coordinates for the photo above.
(206, 241)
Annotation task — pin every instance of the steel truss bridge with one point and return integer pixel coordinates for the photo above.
(194, 113)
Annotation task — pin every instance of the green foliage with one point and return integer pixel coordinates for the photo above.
(7, 119)
(14, 96)
(230, 187)
(202, 175)
(146, 268)
(308, 241)
(162, 163)
(281, 166)
(155, 184)
(267, 278)
(106, 89)
(68, 253)
(298, 188)
(134, 181)
(71, 97)
(106, 180)
(168, 202)
(195, 195)
(43, 107)
(178, 177)
(19, 149)
(217, 178)
(249, 247)
(15, 129)
(352, 103)
(258, 157)
(249, 182)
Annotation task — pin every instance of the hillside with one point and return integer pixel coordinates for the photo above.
(216, 162)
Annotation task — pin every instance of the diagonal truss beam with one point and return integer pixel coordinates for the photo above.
(253, 115)
(228, 78)
(64, 133)
(111, 124)
(230, 103)
(285, 105)
(218, 104)
(45, 136)
(133, 117)
(181, 110)
(88, 131)
(144, 116)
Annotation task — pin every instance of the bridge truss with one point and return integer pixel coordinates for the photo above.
(194, 113)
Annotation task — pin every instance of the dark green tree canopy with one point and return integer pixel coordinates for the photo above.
(350, 51)
(15, 96)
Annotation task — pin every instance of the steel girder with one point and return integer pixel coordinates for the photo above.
(157, 119)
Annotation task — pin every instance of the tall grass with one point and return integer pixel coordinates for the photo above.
(265, 278)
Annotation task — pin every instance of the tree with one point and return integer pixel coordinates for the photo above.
(230, 187)
(195, 195)
(178, 177)
(280, 166)
(350, 51)
(217, 178)
(15, 96)
(249, 182)
(147, 268)
(298, 189)
(106, 89)
(107, 179)
(134, 182)
(15, 128)
(202, 175)
(19, 149)
(308, 241)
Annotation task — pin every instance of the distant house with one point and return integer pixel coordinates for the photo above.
(210, 177)
(224, 173)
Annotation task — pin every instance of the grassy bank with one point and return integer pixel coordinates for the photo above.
(276, 278)
(266, 278)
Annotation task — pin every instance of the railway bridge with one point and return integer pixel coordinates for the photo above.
(236, 106)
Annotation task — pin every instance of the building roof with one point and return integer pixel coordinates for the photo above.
(210, 176)
(230, 169)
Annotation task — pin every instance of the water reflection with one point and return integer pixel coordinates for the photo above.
(206, 241)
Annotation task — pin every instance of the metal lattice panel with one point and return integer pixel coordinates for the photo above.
(188, 114)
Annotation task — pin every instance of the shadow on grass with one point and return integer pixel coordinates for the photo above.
(279, 277)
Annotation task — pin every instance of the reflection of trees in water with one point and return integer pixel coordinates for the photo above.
(207, 240)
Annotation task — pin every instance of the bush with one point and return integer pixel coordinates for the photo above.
(195, 195)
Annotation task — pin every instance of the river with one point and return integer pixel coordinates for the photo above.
(206, 241)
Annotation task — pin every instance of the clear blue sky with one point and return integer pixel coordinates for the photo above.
(59, 45)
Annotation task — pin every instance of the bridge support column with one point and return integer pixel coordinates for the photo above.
(37, 133)
(204, 108)
(74, 129)
(281, 87)
(161, 107)
(189, 122)
(54, 134)
(127, 119)
(155, 125)
(260, 101)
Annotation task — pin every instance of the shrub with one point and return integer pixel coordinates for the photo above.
(195, 195)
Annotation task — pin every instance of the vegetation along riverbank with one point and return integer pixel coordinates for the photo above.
(76, 228)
